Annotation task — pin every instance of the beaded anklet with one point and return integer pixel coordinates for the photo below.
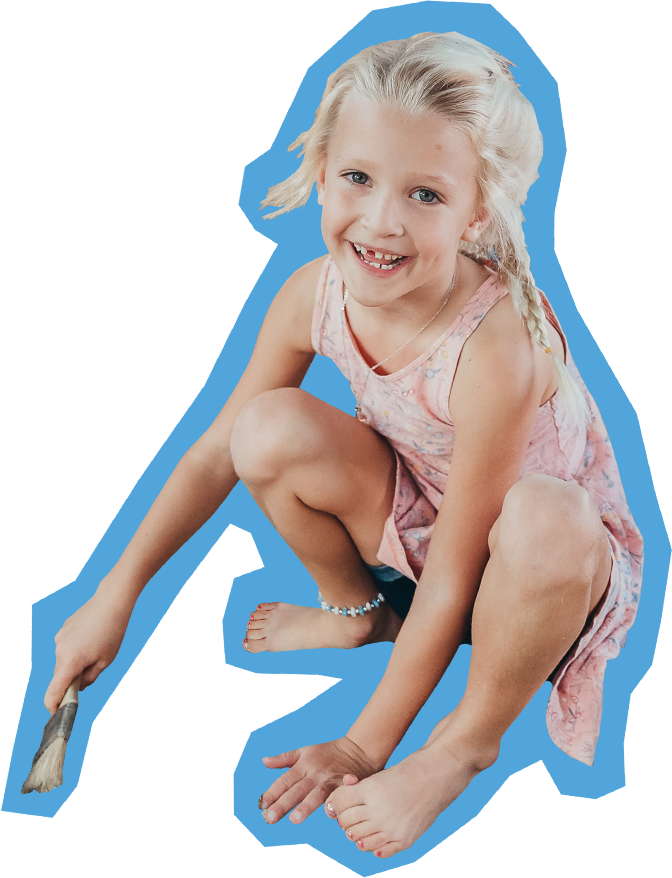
(353, 611)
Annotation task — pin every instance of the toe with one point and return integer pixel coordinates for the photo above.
(352, 816)
(258, 645)
(360, 831)
(373, 842)
(255, 634)
(346, 797)
(389, 849)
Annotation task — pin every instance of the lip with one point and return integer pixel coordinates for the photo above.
(378, 272)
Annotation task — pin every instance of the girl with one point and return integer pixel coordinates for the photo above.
(423, 151)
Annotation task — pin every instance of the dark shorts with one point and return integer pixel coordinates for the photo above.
(397, 588)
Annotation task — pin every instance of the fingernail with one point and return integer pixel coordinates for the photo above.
(331, 811)
(295, 817)
(350, 834)
(269, 816)
(260, 803)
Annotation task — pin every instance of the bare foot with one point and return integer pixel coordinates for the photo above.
(279, 627)
(387, 812)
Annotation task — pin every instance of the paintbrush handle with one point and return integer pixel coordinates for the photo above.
(72, 692)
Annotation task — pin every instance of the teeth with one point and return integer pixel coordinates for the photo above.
(386, 256)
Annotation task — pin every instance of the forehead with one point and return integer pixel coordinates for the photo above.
(427, 143)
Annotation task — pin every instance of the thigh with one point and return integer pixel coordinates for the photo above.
(288, 439)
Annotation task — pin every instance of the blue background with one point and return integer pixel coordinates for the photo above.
(138, 141)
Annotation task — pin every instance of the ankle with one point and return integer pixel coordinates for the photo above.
(474, 754)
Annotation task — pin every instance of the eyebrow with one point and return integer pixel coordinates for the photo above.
(430, 178)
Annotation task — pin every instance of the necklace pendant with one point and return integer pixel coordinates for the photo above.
(359, 414)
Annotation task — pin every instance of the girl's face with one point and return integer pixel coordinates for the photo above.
(397, 193)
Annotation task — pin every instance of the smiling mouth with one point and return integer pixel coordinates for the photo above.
(376, 259)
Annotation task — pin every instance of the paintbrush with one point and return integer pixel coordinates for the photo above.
(47, 770)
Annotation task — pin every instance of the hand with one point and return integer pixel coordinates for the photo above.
(314, 774)
(86, 644)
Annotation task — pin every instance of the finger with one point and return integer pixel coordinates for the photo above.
(285, 782)
(289, 800)
(63, 676)
(350, 780)
(312, 801)
(352, 816)
(284, 760)
(389, 849)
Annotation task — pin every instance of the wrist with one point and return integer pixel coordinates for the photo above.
(372, 751)
(119, 591)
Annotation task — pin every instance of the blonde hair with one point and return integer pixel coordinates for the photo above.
(456, 77)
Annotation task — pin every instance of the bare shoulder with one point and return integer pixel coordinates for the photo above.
(293, 306)
(500, 364)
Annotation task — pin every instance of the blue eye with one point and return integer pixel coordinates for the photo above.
(432, 199)
(357, 177)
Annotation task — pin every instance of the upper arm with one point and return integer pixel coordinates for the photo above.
(493, 402)
(283, 350)
(495, 396)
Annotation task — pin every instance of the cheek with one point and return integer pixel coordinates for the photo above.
(337, 214)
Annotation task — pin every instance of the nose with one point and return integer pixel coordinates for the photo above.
(382, 215)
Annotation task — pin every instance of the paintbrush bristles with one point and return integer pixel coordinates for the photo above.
(47, 773)
(47, 769)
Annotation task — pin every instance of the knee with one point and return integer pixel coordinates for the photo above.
(270, 433)
(549, 528)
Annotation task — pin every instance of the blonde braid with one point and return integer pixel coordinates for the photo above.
(514, 265)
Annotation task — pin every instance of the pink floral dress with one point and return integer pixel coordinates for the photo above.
(410, 409)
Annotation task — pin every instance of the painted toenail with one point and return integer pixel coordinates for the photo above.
(379, 853)
(350, 834)
(245, 644)
(331, 811)
(360, 844)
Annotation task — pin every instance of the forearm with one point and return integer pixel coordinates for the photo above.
(197, 487)
(427, 642)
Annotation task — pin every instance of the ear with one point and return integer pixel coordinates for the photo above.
(321, 177)
(479, 221)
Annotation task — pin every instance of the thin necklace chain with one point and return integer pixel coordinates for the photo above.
(370, 369)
